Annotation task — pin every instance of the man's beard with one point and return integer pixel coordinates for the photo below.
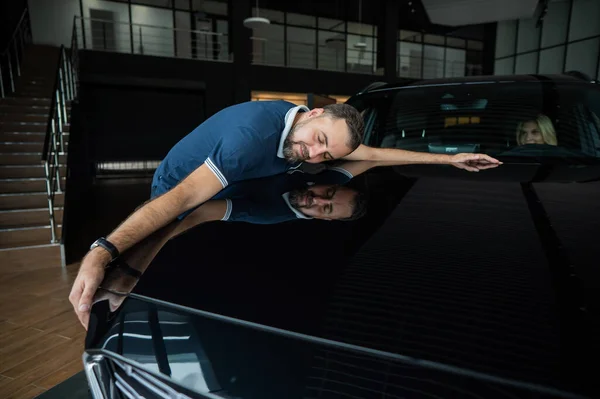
(297, 195)
(288, 147)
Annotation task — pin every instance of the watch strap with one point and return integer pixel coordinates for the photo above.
(107, 245)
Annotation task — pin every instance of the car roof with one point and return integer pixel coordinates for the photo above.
(488, 79)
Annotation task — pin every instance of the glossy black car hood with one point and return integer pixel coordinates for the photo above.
(453, 284)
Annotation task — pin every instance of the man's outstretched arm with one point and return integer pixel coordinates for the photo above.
(366, 153)
(198, 187)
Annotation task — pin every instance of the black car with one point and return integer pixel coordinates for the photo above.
(439, 283)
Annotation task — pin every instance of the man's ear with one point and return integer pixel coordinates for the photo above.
(315, 112)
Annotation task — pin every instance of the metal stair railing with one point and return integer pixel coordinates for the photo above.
(64, 91)
(13, 54)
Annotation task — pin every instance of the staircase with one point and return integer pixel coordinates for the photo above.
(25, 232)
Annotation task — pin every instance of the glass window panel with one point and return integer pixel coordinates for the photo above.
(475, 45)
(526, 63)
(360, 59)
(301, 19)
(551, 60)
(409, 59)
(433, 62)
(222, 40)
(583, 56)
(409, 36)
(155, 3)
(215, 7)
(182, 4)
(109, 28)
(505, 66)
(332, 24)
(456, 42)
(182, 34)
(455, 63)
(529, 35)
(435, 39)
(554, 27)
(584, 19)
(332, 51)
(267, 45)
(505, 38)
(150, 36)
(360, 29)
(272, 15)
(301, 51)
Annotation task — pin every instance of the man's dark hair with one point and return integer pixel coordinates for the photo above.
(353, 119)
(359, 207)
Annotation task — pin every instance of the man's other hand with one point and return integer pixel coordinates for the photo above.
(474, 162)
(91, 273)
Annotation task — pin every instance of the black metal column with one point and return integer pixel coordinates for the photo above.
(489, 48)
(241, 48)
(390, 40)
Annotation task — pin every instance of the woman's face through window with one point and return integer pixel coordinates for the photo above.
(531, 133)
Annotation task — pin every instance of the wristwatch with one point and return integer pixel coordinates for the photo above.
(107, 245)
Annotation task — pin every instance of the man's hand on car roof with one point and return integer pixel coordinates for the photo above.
(474, 162)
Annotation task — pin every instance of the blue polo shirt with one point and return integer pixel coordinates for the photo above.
(244, 141)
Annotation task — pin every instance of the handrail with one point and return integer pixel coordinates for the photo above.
(153, 26)
(64, 90)
(15, 31)
(23, 32)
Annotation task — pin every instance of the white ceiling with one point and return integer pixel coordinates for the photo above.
(468, 12)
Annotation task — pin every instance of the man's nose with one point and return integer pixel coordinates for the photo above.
(320, 201)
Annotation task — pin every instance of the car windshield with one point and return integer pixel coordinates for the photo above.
(538, 120)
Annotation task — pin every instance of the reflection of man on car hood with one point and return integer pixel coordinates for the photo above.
(297, 196)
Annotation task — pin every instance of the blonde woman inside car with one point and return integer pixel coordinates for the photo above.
(536, 131)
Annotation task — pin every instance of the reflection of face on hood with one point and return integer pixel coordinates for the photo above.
(324, 201)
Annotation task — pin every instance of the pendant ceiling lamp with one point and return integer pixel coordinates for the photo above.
(361, 44)
(256, 21)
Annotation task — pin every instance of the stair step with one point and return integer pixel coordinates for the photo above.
(25, 185)
(23, 117)
(22, 137)
(25, 101)
(26, 171)
(24, 109)
(29, 217)
(31, 257)
(27, 236)
(25, 158)
(30, 127)
(11, 146)
(28, 200)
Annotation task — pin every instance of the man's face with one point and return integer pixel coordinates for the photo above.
(324, 202)
(316, 138)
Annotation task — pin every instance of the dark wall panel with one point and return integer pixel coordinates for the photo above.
(216, 76)
(129, 123)
(308, 80)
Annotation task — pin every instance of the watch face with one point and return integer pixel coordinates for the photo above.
(94, 245)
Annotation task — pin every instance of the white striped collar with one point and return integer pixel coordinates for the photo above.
(299, 215)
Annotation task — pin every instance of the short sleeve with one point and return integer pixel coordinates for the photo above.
(234, 154)
(259, 212)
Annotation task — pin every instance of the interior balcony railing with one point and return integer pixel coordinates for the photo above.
(132, 38)
(276, 52)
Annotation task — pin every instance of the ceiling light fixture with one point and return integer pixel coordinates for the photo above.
(256, 21)
(361, 43)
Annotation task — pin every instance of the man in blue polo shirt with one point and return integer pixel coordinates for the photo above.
(244, 141)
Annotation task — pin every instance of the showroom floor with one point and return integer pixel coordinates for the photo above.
(41, 340)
